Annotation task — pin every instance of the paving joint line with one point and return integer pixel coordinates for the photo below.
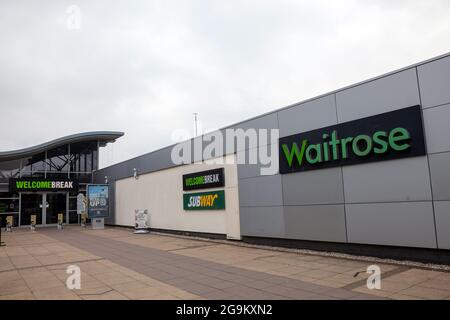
(193, 247)
(51, 265)
(384, 275)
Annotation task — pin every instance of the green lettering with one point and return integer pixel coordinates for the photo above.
(398, 135)
(318, 156)
(382, 144)
(326, 153)
(344, 146)
(289, 154)
(334, 143)
(356, 145)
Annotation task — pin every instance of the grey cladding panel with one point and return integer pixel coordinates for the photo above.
(409, 224)
(440, 175)
(308, 116)
(313, 187)
(389, 93)
(442, 213)
(258, 161)
(437, 128)
(388, 181)
(434, 79)
(321, 223)
(268, 121)
(262, 221)
(260, 191)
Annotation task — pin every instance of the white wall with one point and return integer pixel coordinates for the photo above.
(161, 192)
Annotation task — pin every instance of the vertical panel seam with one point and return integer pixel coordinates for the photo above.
(281, 180)
(342, 176)
(428, 159)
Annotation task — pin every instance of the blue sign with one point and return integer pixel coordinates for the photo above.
(98, 200)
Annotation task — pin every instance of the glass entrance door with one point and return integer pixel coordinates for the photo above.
(55, 203)
(31, 203)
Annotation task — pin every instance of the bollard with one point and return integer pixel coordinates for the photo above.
(33, 222)
(83, 220)
(60, 221)
(1, 242)
(9, 223)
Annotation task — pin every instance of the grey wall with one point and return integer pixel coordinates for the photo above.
(399, 202)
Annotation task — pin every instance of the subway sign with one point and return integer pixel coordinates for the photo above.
(392, 135)
(36, 184)
(214, 178)
(213, 200)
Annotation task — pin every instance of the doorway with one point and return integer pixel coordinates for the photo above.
(55, 203)
(31, 203)
(46, 207)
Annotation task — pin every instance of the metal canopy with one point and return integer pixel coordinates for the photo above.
(103, 137)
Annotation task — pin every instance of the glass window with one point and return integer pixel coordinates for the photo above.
(9, 169)
(25, 174)
(83, 156)
(38, 174)
(81, 189)
(57, 175)
(9, 195)
(82, 177)
(34, 163)
(3, 219)
(58, 159)
(9, 205)
(73, 203)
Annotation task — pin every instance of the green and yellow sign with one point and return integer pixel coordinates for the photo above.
(214, 178)
(213, 200)
(36, 184)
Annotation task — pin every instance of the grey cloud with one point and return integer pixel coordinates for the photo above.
(143, 67)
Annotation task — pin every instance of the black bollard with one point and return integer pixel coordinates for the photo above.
(1, 242)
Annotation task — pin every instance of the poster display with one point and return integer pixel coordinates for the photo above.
(98, 201)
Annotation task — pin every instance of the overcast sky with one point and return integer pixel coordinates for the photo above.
(143, 67)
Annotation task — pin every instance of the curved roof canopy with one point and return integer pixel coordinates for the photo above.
(103, 137)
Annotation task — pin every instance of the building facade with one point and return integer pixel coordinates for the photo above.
(45, 180)
(393, 190)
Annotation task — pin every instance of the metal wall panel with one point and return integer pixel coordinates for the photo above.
(262, 222)
(269, 121)
(388, 181)
(320, 222)
(267, 161)
(409, 224)
(260, 191)
(434, 80)
(313, 187)
(440, 175)
(308, 116)
(437, 128)
(442, 213)
(393, 92)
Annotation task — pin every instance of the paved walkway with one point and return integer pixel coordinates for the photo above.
(116, 264)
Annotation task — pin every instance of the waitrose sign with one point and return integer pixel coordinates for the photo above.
(391, 135)
(23, 185)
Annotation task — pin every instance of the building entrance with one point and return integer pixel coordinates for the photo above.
(31, 204)
(45, 205)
